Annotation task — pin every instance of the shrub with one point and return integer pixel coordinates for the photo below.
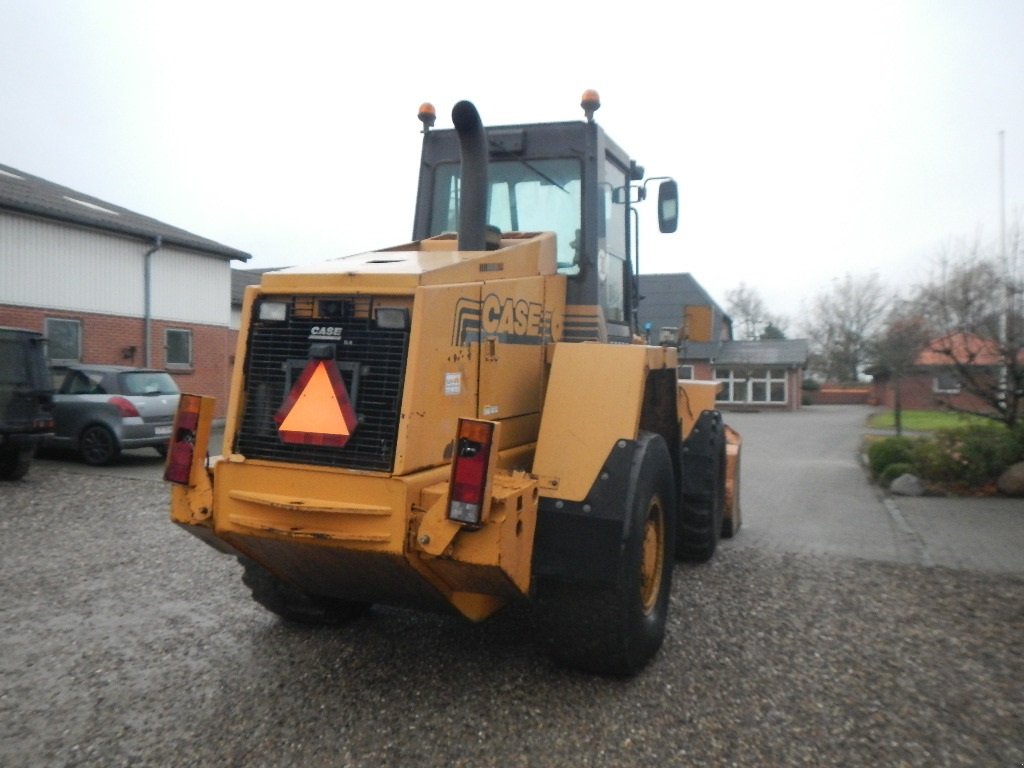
(893, 471)
(1018, 435)
(971, 456)
(887, 451)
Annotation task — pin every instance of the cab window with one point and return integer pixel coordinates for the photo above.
(525, 196)
(611, 257)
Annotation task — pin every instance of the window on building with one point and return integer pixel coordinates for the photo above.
(734, 385)
(64, 340)
(946, 384)
(761, 385)
(686, 372)
(178, 345)
(775, 385)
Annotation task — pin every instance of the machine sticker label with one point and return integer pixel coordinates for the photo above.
(511, 321)
(453, 384)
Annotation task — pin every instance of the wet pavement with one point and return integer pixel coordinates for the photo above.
(805, 490)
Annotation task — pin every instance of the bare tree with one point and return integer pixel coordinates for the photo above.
(973, 301)
(842, 323)
(749, 312)
(895, 350)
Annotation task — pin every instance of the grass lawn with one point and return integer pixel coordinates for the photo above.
(926, 421)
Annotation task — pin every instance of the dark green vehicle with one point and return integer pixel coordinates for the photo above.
(26, 399)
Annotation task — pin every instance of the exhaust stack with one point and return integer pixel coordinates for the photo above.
(473, 196)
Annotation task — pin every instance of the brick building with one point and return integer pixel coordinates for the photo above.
(676, 310)
(932, 382)
(110, 286)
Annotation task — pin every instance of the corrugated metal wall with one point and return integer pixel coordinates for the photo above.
(54, 266)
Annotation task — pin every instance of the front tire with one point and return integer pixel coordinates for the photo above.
(703, 501)
(294, 605)
(615, 630)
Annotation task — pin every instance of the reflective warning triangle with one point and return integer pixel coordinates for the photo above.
(317, 411)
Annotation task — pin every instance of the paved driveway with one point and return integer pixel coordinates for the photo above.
(804, 490)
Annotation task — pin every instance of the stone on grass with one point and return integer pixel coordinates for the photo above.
(1011, 482)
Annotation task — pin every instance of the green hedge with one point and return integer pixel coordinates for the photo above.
(889, 450)
(970, 456)
(967, 457)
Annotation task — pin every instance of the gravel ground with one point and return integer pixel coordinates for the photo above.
(126, 642)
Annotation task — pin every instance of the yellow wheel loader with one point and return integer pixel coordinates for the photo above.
(468, 420)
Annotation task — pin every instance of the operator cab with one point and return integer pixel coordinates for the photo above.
(569, 178)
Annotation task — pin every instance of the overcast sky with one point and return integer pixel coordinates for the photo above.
(809, 139)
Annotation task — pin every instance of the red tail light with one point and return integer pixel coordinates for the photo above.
(183, 440)
(124, 406)
(471, 472)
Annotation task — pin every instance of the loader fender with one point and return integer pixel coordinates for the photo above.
(581, 541)
(588, 440)
(598, 394)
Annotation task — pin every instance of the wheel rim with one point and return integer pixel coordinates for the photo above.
(96, 445)
(652, 563)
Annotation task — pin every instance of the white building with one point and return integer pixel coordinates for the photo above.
(107, 285)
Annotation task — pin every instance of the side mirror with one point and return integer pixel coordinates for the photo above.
(668, 206)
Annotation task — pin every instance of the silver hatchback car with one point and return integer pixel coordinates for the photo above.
(99, 410)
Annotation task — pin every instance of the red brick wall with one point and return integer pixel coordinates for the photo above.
(795, 389)
(106, 340)
(918, 394)
(839, 395)
(702, 371)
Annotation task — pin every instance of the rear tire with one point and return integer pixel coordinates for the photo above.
(97, 446)
(615, 630)
(294, 605)
(15, 462)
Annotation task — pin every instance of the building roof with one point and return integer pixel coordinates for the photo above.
(24, 193)
(699, 350)
(960, 347)
(242, 279)
(663, 297)
(791, 353)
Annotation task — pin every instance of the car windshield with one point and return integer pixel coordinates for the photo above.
(148, 383)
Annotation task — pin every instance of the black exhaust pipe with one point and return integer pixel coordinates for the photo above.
(473, 195)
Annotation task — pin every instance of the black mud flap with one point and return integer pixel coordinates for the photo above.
(581, 542)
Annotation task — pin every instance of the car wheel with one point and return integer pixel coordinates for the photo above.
(98, 446)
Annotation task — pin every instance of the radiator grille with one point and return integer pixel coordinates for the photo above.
(371, 362)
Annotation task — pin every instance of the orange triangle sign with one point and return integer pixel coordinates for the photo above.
(317, 411)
